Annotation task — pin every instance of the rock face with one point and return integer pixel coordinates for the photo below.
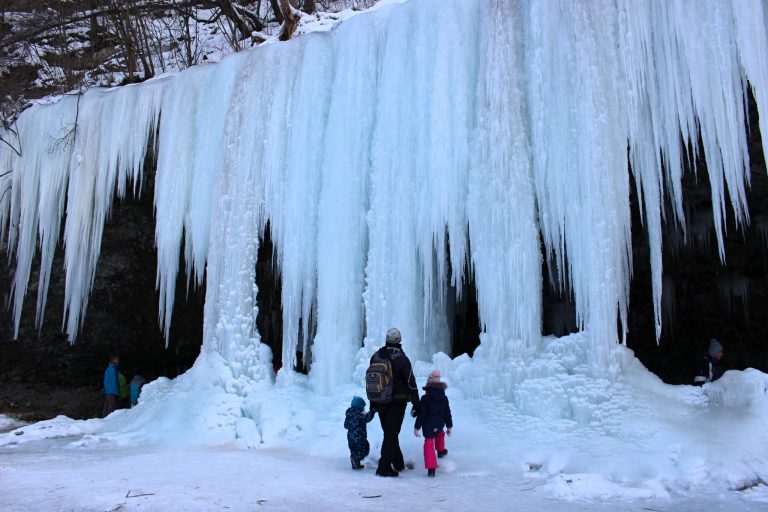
(121, 318)
(707, 299)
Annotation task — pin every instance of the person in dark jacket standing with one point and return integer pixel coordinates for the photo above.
(391, 414)
(434, 415)
(357, 434)
(712, 367)
(111, 386)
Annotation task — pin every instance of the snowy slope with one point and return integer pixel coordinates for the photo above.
(226, 478)
(564, 434)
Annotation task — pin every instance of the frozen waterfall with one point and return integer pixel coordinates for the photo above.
(484, 129)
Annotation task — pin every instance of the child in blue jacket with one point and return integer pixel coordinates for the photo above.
(434, 415)
(136, 384)
(357, 433)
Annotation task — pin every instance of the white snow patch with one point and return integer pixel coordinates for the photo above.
(8, 423)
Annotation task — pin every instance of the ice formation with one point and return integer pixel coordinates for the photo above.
(668, 302)
(700, 231)
(483, 128)
(733, 287)
(761, 224)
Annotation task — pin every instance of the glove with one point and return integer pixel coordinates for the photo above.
(416, 432)
(449, 432)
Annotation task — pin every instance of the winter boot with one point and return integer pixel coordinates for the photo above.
(442, 453)
(356, 463)
(387, 472)
(431, 473)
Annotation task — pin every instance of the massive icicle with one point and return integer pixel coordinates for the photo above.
(33, 200)
(476, 129)
(501, 209)
(579, 137)
(90, 146)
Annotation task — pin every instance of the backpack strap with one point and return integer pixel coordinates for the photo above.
(392, 356)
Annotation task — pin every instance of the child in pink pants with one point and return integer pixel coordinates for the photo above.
(434, 415)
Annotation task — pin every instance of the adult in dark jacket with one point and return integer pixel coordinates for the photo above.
(111, 386)
(712, 367)
(391, 414)
(434, 415)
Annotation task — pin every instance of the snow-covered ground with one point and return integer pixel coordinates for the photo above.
(49, 476)
(53, 475)
(631, 440)
(7, 423)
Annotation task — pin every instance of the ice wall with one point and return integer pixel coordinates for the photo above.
(79, 152)
(480, 129)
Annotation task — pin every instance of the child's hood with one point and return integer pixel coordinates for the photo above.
(436, 390)
(358, 403)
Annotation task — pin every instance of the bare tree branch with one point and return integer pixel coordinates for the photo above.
(14, 149)
(7, 189)
(13, 131)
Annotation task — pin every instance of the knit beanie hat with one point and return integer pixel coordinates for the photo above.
(714, 347)
(358, 403)
(434, 377)
(393, 336)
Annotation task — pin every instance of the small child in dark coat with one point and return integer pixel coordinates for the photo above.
(434, 415)
(357, 434)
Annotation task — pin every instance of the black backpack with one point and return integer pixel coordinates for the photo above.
(380, 379)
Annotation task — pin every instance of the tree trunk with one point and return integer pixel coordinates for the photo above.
(290, 20)
(276, 9)
(243, 26)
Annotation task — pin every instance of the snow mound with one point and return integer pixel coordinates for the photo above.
(571, 435)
